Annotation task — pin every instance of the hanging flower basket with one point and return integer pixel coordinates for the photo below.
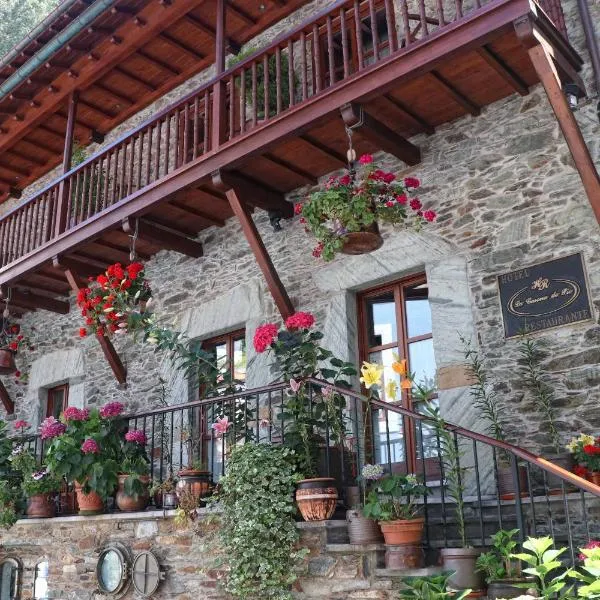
(345, 214)
(115, 302)
(11, 341)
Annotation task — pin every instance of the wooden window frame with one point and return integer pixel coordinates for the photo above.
(229, 339)
(50, 399)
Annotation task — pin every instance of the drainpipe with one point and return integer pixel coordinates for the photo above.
(62, 39)
(39, 28)
(592, 44)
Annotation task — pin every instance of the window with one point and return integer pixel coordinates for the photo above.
(58, 399)
(229, 354)
(395, 322)
(40, 581)
(10, 570)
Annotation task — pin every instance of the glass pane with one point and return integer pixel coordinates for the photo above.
(422, 361)
(381, 320)
(418, 311)
(40, 584)
(8, 580)
(110, 571)
(239, 359)
(386, 358)
(57, 402)
(388, 438)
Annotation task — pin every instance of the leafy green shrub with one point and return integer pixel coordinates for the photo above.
(497, 563)
(433, 587)
(258, 532)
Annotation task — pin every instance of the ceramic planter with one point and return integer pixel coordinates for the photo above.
(506, 484)
(198, 482)
(7, 361)
(363, 242)
(504, 588)
(128, 503)
(316, 498)
(402, 531)
(169, 500)
(41, 506)
(406, 556)
(594, 477)
(362, 530)
(89, 504)
(462, 562)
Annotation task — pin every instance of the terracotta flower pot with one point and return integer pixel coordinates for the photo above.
(594, 477)
(462, 562)
(89, 504)
(128, 503)
(363, 242)
(362, 530)
(506, 484)
(7, 361)
(406, 556)
(41, 506)
(402, 531)
(198, 482)
(316, 498)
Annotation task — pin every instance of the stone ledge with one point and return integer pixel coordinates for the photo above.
(354, 548)
(426, 572)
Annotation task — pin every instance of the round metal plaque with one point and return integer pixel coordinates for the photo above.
(146, 574)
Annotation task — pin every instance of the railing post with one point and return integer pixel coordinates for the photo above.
(219, 114)
(518, 504)
(64, 186)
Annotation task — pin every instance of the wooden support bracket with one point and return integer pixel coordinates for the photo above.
(32, 301)
(9, 405)
(356, 117)
(161, 236)
(76, 283)
(235, 194)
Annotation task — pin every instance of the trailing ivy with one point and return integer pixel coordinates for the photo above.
(258, 532)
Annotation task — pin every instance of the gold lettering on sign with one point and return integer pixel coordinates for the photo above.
(540, 284)
(528, 302)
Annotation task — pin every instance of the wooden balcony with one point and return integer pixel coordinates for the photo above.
(390, 69)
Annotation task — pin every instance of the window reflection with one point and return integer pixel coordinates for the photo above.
(9, 579)
(40, 581)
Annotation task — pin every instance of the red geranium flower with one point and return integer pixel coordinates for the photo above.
(297, 209)
(366, 159)
(82, 332)
(402, 199)
(415, 204)
(300, 320)
(429, 215)
(264, 336)
(412, 182)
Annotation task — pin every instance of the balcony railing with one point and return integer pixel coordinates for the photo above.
(350, 37)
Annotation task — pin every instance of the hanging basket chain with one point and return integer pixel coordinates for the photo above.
(134, 237)
(351, 153)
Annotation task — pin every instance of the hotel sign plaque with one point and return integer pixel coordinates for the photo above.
(550, 294)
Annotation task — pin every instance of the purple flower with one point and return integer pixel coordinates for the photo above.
(112, 409)
(137, 436)
(37, 475)
(75, 414)
(51, 428)
(90, 447)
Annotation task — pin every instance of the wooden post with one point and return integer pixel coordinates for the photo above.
(219, 114)
(240, 209)
(568, 125)
(64, 187)
(6, 400)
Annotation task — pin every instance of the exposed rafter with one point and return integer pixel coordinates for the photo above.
(33, 301)
(9, 405)
(161, 236)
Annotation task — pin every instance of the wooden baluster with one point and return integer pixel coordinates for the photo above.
(11, 237)
(148, 132)
(35, 230)
(478, 5)
(345, 48)
(423, 17)
(167, 145)
(405, 22)
(316, 43)
(358, 35)
(157, 157)
(207, 121)
(100, 176)
(440, 13)
(105, 180)
(54, 198)
(6, 242)
(45, 217)
(69, 208)
(303, 66)
(131, 165)
(291, 72)
(254, 95)
(374, 35)
(266, 86)
(177, 140)
(32, 226)
(122, 188)
(330, 51)
(140, 161)
(19, 240)
(3, 226)
(459, 11)
(391, 30)
(83, 197)
(115, 180)
(186, 133)
(72, 215)
(196, 125)
(278, 83)
(15, 237)
(26, 229)
(231, 107)
(243, 101)
(90, 190)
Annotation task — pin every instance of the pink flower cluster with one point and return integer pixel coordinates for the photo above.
(300, 320)
(264, 336)
(589, 546)
(51, 428)
(73, 413)
(137, 436)
(112, 409)
(220, 426)
(90, 447)
(21, 424)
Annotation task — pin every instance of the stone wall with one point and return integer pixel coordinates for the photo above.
(508, 196)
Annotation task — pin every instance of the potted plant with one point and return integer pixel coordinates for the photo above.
(132, 494)
(85, 448)
(431, 587)
(11, 341)
(393, 503)
(10, 482)
(361, 528)
(344, 215)
(299, 356)
(115, 302)
(578, 456)
(591, 461)
(164, 494)
(500, 570)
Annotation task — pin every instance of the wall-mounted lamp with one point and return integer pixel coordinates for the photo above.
(275, 220)
(573, 93)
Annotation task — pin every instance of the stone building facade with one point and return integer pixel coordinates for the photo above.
(508, 196)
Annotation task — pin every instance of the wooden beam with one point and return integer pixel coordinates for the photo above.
(157, 62)
(241, 14)
(134, 77)
(113, 359)
(292, 168)
(9, 405)
(26, 157)
(33, 301)
(192, 210)
(333, 154)
(71, 268)
(173, 41)
(503, 70)
(409, 114)
(201, 25)
(239, 206)
(544, 68)
(165, 238)
(116, 95)
(458, 97)
(13, 169)
(358, 119)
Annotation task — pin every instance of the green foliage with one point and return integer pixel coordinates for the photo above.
(496, 564)
(10, 491)
(258, 531)
(545, 567)
(9, 498)
(135, 464)
(434, 587)
(589, 574)
(36, 479)
(260, 87)
(394, 497)
(532, 355)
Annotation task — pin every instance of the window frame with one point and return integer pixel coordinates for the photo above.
(19, 568)
(50, 400)
(229, 339)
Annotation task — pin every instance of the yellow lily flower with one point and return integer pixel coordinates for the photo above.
(586, 440)
(391, 387)
(399, 366)
(371, 374)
